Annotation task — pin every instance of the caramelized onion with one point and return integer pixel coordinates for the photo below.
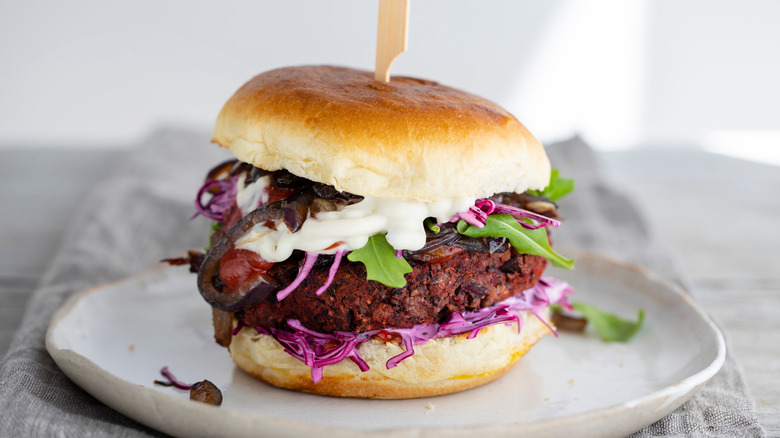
(528, 202)
(438, 255)
(295, 209)
(568, 323)
(206, 392)
(222, 168)
(320, 205)
(255, 174)
(489, 245)
(437, 245)
(447, 236)
(329, 192)
(211, 287)
(286, 180)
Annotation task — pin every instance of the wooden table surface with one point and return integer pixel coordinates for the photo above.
(717, 216)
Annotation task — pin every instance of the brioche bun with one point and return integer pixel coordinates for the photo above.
(408, 138)
(439, 366)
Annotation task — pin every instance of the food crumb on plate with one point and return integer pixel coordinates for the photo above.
(131, 347)
(430, 408)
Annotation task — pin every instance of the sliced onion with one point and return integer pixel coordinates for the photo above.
(222, 168)
(208, 276)
(295, 209)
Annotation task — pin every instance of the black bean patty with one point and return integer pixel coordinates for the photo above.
(468, 281)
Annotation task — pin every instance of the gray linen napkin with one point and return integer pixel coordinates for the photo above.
(139, 216)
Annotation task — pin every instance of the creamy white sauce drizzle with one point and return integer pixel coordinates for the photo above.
(254, 194)
(348, 228)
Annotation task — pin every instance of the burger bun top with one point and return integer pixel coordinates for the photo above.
(408, 138)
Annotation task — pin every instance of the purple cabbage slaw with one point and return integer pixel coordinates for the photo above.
(317, 350)
(477, 215)
(308, 263)
(172, 380)
(332, 272)
(306, 267)
(221, 200)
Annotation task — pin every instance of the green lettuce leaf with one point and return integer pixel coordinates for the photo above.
(381, 263)
(557, 188)
(524, 241)
(611, 328)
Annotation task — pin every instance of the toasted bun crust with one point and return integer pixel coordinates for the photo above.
(440, 366)
(409, 138)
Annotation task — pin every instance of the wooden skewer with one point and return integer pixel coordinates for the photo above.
(392, 35)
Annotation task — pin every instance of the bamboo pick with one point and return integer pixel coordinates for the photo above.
(392, 35)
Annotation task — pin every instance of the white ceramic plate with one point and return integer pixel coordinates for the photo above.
(112, 341)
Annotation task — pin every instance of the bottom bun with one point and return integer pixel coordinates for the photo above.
(439, 366)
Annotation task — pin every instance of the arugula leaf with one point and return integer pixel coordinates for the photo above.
(525, 241)
(215, 226)
(611, 327)
(430, 223)
(381, 263)
(557, 188)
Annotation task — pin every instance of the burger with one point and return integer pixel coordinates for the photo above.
(375, 240)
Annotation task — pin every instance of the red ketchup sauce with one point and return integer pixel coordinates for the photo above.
(240, 268)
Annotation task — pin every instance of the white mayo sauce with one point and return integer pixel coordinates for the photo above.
(249, 197)
(346, 229)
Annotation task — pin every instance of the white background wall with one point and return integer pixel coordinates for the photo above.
(620, 72)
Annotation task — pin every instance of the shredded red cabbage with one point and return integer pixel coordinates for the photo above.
(477, 215)
(238, 328)
(308, 263)
(172, 380)
(223, 194)
(486, 205)
(331, 273)
(556, 292)
(519, 213)
(317, 350)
